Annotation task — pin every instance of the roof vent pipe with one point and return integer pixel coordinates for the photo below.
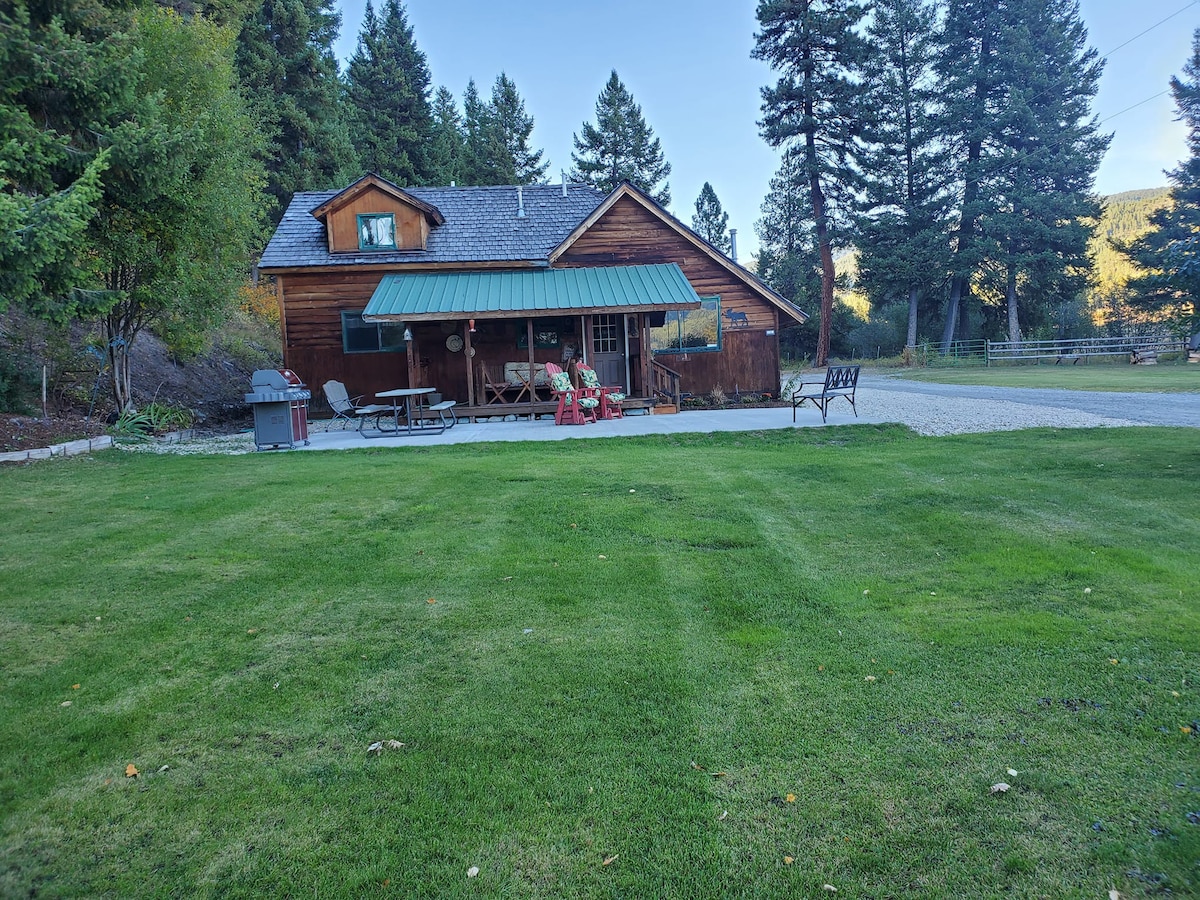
(733, 244)
(564, 178)
(520, 203)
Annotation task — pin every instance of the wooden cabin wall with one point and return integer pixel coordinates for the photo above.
(412, 229)
(313, 305)
(629, 235)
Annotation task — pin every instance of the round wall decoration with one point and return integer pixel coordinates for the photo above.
(454, 343)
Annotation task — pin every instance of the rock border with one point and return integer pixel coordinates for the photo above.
(71, 448)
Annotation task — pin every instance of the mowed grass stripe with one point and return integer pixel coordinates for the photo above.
(263, 618)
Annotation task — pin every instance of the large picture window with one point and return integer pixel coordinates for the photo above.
(377, 232)
(690, 330)
(370, 337)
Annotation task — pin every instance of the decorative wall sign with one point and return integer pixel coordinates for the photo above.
(454, 343)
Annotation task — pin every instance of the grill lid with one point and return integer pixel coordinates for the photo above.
(275, 380)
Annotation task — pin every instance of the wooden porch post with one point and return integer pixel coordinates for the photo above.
(647, 359)
(411, 354)
(532, 389)
(467, 352)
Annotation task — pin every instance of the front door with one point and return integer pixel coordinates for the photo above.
(608, 350)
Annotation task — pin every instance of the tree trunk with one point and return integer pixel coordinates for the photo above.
(912, 317)
(956, 288)
(824, 248)
(1010, 295)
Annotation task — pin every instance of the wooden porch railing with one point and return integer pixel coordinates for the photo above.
(665, 382)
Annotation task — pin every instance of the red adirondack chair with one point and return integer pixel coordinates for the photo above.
(610, 397)
(576, 406)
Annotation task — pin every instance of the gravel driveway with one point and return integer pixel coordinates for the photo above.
(931, 408)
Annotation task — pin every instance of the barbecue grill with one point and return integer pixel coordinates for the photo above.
(280, 402)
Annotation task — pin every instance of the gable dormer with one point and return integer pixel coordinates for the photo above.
(375, 216)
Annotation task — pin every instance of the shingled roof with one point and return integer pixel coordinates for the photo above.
(481, 226)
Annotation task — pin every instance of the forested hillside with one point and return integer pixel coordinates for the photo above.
(1126, 217)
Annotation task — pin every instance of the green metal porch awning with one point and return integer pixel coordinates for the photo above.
(482, 294)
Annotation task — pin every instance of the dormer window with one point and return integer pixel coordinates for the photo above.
(377, 231)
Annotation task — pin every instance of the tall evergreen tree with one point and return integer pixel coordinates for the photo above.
(478, 165)
(286, 65)
(1170, 252)
(787, 257)
(1046, 160)
(447, 147)
(387, 87)
(971, 74)
(902, 223)
(511, 127)
(65, 86)
(711, 221)
(620, 147)
(816, 48)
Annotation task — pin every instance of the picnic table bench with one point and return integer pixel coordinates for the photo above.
(840, 381)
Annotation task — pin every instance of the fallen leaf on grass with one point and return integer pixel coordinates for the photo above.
(1012, 772)
(869, 678)
(788, 860)
(1185, 729)
(820, 668)
(431, 600)
(610, 860)
(790, 798)
(829, 887)
(162, 769)
(602, 556)
(473, 871)
(74, 687)
(65, 703)
(507, 578)
(697, 766)
(1114, 661)
(1000, 788)
(251, 631)
(723, 816)
(1114, 894)
(718, 774)
(376, 748)
(131, 771)
(394, 745)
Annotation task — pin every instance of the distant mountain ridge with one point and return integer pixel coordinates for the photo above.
(1126, 217)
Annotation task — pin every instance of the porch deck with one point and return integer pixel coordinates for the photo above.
(635, 405)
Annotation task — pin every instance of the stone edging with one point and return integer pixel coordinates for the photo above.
(71, 448)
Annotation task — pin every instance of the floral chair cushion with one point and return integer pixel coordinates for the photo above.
(591, 380)
(561, 382)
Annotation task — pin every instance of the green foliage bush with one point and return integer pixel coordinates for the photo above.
(152, 419)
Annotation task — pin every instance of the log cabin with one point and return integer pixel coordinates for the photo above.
(471, 290)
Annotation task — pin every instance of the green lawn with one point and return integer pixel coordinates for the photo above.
(695, 657)
(1168, 377)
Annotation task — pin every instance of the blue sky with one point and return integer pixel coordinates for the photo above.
(687, 62)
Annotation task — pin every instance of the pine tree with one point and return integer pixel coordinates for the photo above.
(620, 147)
(65, 87)
(711, 222)
(1046, 159)
(447, 147)
(902, 223)
(285, 62)
(1170, 252)
(387, 86)
(511, 127)
(815, 47)
(478, 166)
(970, 69)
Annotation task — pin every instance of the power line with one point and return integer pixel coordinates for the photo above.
(1150, 29)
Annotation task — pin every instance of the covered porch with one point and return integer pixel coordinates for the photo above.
(484, 338)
